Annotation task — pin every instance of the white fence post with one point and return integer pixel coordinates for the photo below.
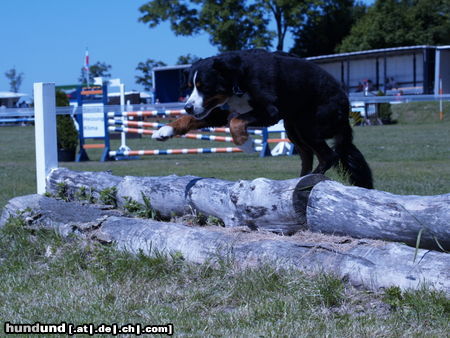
(45, 132)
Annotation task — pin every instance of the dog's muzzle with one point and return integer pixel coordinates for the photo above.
(190, 109)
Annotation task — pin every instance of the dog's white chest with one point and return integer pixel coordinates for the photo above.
(239, 105)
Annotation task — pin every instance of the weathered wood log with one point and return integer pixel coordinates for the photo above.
(281, 206)
(259, 204)
(278, 206)
(371, 264)
(334, 208)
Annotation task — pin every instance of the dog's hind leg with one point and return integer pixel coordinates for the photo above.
(326, 156)
(305, 152)
(307, 156)
(352, 160)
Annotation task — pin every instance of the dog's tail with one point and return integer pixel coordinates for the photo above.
(351, 160)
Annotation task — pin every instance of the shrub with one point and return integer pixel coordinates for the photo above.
(385, 111)
(67, 135)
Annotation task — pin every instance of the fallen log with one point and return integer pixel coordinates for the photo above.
(337, 209)
(371, 264)
(284, 206)
(271, 205)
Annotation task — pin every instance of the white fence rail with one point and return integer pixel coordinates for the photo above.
(399, 98)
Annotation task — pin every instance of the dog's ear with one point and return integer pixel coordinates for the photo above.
(227, 64)
(230, 68)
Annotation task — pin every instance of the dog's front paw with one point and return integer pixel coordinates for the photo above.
(163, 133)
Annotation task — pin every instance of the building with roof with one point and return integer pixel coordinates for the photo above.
(13, 100)
(411, 70)
(400, 70)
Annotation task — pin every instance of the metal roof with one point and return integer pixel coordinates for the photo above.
(394, 50)
(171, 67)
(10, 95)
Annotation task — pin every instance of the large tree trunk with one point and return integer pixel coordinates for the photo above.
(368, 263)
(282, 206)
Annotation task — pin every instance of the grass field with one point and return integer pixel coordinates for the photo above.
(406, 159)
(46, 279)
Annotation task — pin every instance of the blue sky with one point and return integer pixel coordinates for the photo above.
(46, 40)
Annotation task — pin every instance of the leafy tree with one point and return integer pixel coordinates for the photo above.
(15, 79)
(61, 99)
(327, 25)
(146, 68)
(392, 23)
(288, 14)
(430, 22)
(187, 59)
(99, 69)
(231, 24)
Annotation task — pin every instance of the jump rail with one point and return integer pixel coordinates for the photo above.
(142, 124)
(118, 122)
(215, 138)
(147, 113)
(178, 151)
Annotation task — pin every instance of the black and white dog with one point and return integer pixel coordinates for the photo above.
(260, 88)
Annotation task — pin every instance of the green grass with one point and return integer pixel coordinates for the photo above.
(406, 159)
(419, 112)
(45, 278)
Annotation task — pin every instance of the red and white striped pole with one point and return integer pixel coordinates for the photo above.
(86, 66)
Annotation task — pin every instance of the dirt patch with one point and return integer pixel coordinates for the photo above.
(305, 237)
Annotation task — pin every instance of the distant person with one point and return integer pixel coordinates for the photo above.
(360, 87)
(391, 83)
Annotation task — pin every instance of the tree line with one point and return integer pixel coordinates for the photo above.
(318, 27)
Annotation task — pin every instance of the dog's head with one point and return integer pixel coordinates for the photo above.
(211, 81)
